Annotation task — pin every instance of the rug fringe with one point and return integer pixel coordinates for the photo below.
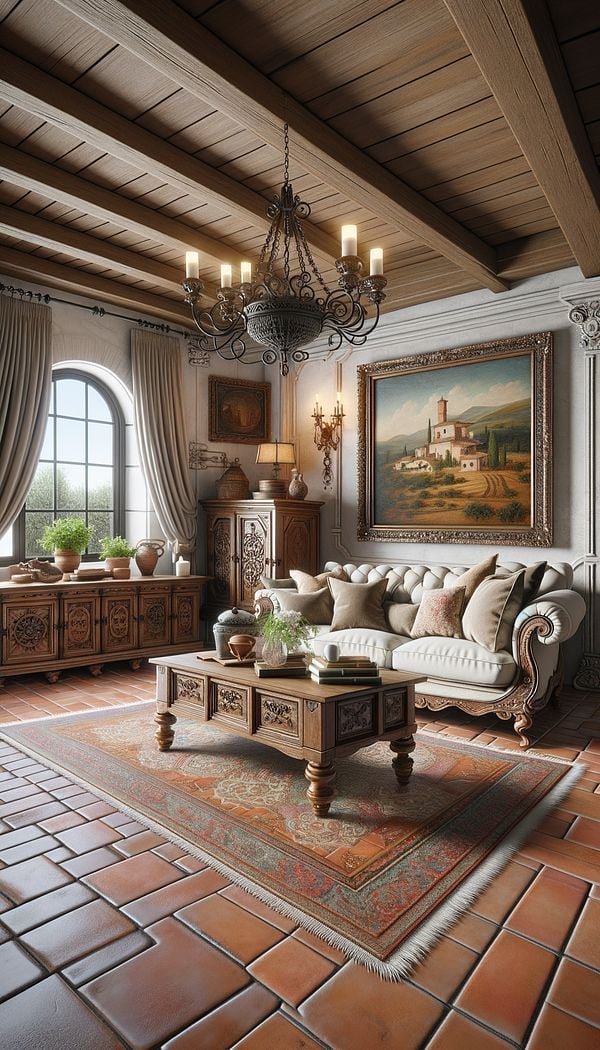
(400, 964)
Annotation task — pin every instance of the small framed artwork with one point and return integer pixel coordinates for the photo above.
(455, 446)
(240, 410)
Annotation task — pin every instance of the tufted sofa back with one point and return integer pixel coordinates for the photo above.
(406, 583)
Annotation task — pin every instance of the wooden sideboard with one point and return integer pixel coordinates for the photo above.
(250, 538)
(51, 626)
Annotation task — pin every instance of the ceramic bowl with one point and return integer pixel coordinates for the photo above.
(242, 645)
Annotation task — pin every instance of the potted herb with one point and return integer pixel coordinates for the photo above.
(283, 632)
(117, 552)
(67, 538)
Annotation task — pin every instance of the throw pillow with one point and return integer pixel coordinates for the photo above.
(316, 607)
(534, 575)
(471, 579)
(490, 615)
(438, 614)
(400, 616)
(358, 604)
(268, 582)
(307, 583)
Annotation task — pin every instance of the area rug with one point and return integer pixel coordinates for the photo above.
(381, 877)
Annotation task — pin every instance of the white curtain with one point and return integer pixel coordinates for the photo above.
(25, 385)
(160, 427)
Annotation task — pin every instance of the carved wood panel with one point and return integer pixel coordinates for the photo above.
(354, 718)
(80, 625)
(190, 689)
(254, 532)
(277, 715)
(299, 548)
(394, 708)
(30, 631)
(220, 564)
(118, 622)
(154, 611)
(185, 612)
(229, 701)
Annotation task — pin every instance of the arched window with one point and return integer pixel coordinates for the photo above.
(81, 471)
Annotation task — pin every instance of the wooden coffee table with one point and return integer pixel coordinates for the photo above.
(317, 723)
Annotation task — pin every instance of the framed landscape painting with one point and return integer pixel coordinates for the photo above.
(240, 410)
(455, 446)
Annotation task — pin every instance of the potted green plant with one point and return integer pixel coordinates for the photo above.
(67, 538)
(283, 632)
(117, 552)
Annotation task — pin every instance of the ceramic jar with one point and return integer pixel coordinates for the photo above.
(231, 622)
(298, 487)
(147, 553)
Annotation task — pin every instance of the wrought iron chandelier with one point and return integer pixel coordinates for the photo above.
(285, 309)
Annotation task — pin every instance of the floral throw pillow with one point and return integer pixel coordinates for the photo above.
(439, 614)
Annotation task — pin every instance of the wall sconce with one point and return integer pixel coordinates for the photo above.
(327, 436)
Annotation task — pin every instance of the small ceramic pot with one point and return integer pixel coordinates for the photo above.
(230, 622)
(67, 561)
(242, 645)
(118, 563)
(331, 652)
(121, 573)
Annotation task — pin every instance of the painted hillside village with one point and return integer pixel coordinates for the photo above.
(474, 470)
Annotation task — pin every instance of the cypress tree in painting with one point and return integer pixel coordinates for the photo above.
(492, 451)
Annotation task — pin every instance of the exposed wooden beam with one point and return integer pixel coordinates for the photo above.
(50, 99)
(58, 238)
(75, 192)
(56, 275)
(514, 45)
(163, 35)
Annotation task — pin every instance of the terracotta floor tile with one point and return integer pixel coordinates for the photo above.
(576, 990)
(565, 855)
(473, 931)
(79, 801)
(116, 820)
(504, 989)
(163, 990)
(17, 970)
(41, 909)
(32, 816)
(68, 792)
(111, 955)
(59, 854)
(228, 1023)
(87, 863)
(501, 895)
(555, 1030)
(145, 840)
(33, 848)
(548, 909)
(190, 864)
(445, 968)
(169, 851)
(97, 809)
(76, 933)
(27, 790)
(88, 836)
(355, 1009)
(129, 879)
(246, 900)
(8, 839)
(585, 831)
(62, 822)
(584, 944)
(277, 1033)
(238, 931)
(459, 1033)
(51, 1016)
(319, 945)
(172, 898)
(292, 970)
(22, 805)
(33, 877)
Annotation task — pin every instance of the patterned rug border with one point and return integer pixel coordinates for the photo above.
(418, 944)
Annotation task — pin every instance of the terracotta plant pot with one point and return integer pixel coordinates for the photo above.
(118, 563)
(67, 561)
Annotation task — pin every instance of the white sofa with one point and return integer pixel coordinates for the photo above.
(512, 682)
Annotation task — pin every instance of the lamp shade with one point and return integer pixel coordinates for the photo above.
(276, 452)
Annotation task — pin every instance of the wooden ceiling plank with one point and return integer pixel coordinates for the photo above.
(39, 177)
(58, 275)
(516, 49)
(28, 87)
(169, 40)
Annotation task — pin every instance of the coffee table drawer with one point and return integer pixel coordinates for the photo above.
(394, 708)
(279, 715)
(355, 718)
(189, 690)
(229, 703)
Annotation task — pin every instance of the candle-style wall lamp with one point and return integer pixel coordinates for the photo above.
(328, 435)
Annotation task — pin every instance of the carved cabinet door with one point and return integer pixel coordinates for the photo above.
(154, 612)
(253, 552)
(119, 627)
(80, 631)
(297, 541)
(221, 559)
(29, 630)
(185, 614)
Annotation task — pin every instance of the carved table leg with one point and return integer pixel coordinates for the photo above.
(402, 763)
(164, 734)
(320, 791)
(95, 670)
(52, 676)
(522, 723)
(135, 664)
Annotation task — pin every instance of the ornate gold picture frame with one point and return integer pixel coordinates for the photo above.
(455, 446)
(240, 410)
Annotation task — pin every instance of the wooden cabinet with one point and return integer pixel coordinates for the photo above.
(46, 627)
(247, 539)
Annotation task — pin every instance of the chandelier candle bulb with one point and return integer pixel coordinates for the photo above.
(246, 273)
(376, 262)
(349, 240)
(192, 264)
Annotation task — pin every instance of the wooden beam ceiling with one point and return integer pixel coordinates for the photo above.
(514, 44)
(162, 35)
(50, 99)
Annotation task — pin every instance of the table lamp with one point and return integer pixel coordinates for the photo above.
(275, 452)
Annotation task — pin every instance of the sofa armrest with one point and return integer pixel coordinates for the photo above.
(558, 615)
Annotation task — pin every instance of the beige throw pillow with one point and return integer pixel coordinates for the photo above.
(358, 604)
(490, 615)
(400, 616)
(534, 575)
(269, 583)
(307, 583)
(471, 579)
(316, 607)
(438, 614)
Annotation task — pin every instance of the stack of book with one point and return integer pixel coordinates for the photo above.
(347, 670)
(294, 667)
